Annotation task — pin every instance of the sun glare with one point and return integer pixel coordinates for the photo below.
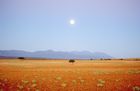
(72, 21)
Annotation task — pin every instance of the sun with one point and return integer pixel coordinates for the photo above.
(72, 21)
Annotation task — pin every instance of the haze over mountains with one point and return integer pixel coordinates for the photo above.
(54, 54)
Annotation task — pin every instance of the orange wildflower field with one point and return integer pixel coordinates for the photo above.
(60, 75)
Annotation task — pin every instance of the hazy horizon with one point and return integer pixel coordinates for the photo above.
(109, 26)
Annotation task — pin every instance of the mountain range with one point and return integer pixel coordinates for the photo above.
(51, 54)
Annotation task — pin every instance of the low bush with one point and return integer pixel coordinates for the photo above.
(21, 58)
(71, 60)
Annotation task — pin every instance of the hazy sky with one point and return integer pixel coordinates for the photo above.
(110, 26)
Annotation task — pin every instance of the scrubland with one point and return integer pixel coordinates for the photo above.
(60, 75)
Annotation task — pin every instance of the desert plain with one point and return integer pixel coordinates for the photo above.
(60, 75)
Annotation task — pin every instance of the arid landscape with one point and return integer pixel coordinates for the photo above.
(61, 75)
(69, 45)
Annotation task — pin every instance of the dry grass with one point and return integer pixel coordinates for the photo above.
(60, 75)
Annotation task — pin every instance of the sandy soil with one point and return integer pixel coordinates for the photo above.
(60, 75)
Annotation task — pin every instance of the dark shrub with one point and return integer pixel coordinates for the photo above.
(71, 60)
(108, 59)
(91, 59)
(101, 59)
(21, 58)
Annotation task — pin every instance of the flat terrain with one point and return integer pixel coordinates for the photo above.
(60, 75)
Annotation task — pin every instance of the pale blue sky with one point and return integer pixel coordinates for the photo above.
(110, 26)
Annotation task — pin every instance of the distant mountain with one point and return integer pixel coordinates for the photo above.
(54, 54)
(1, 57)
